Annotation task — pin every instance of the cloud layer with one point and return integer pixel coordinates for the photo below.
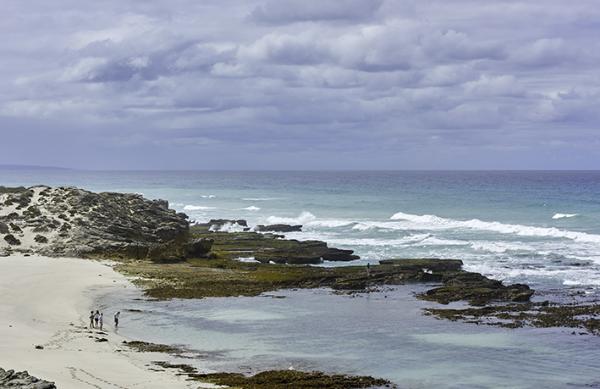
(300, 84)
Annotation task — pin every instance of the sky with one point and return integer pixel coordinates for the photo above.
(300, 84)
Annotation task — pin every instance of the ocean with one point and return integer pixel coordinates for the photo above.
(537, 227)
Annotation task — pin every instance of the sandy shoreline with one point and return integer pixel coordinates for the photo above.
(46, 301)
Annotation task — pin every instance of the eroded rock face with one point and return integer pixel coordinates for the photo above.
(75, 222)
(9, 379)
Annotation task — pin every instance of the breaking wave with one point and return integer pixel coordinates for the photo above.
(564, 215)
(227, 227)
(260, 198)
(251, 208)
(307, 219)
(196, 208)
(436, 222)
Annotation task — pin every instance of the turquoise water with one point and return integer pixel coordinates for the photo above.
(381, 334)
(537, 227)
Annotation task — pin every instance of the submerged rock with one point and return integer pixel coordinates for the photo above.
(282, 379)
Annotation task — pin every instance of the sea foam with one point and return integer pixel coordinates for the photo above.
(564, 215)
(196, 208)
(436, 222)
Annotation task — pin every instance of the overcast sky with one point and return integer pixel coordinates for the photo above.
(293, 84)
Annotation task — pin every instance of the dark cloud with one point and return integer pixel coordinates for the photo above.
(350, 83)
(281, 12)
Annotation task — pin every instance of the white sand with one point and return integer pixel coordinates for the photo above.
(39, 299)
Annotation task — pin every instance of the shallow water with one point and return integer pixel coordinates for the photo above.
(542, 228)
(381, 334)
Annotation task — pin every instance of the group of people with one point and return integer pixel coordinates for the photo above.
(97, 319)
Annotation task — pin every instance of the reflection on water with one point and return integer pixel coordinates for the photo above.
(382, 334)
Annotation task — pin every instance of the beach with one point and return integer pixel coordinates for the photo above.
(229, 296)
(46, 302)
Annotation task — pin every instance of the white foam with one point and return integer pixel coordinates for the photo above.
(252, 208)
(407, 240)
(332, 223)
(247, 260)
(227, 227)
(307, 219)
(260, 198)
(498, 247)
(436, 222)
(196, 208)
(303, 218)
(564, 215)
(571, 276)
(369, 225)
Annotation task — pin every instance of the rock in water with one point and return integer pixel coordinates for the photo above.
(278, 228)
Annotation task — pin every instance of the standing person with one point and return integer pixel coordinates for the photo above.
(117, 319)
(101, 320)
(96, 318)
(91, 319)
(368, 269)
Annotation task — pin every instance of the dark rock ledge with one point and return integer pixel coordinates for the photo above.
(10, 379)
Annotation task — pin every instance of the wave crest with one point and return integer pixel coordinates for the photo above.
(433, 221)
(564, 215)
(196, 208)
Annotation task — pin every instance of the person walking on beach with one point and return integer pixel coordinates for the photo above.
(96, 318)
(91, 319)
(101, 320)
(117, 319)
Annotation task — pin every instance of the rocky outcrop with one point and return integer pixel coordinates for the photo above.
(76, 222)
(268, 248)
(477, 289)
(9, 379)
(278, 228)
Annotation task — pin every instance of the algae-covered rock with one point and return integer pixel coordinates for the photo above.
(477, 289)
(583, 316)
(198, 247)
(283, 379)
(269, 248)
